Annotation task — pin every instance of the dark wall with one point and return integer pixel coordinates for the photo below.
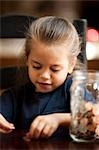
(90, 11)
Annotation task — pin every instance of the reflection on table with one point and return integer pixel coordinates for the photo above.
(15, 140)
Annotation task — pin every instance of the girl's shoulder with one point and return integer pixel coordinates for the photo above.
(68, 82)
(18, 91)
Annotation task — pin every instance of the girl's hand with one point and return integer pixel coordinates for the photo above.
(43, 126)
(5, 126)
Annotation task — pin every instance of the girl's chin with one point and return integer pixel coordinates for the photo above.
(43, 91)
(43, 88)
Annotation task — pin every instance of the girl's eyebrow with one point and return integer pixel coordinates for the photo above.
(54, 65)
(35, 62)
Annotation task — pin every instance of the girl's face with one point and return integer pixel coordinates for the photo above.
(48, 66)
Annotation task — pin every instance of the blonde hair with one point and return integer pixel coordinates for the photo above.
(53, 30)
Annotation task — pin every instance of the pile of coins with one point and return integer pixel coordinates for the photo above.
(85, 122)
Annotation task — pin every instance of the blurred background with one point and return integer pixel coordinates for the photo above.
(71, 9)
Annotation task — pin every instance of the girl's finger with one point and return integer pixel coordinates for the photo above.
(5, 131)
(5, 124)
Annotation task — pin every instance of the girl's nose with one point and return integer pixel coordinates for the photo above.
(45, 75)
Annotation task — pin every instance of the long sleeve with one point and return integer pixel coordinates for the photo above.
(7, 105)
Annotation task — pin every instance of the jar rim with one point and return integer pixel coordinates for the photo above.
(86, 74)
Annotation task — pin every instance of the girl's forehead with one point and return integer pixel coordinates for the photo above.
(40, 47)
(49, 56)
(51, 52)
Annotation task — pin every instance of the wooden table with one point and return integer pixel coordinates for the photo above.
(14, 141)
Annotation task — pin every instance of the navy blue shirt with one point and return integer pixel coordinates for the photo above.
(20, 105)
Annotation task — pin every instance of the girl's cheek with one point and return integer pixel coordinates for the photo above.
(96, 119)
(97, 130)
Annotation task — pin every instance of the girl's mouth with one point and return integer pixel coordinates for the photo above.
(44, 85)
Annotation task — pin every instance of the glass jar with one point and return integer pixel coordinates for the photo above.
(85, 106)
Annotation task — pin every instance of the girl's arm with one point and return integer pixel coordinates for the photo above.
(64, 119)
(45, 125)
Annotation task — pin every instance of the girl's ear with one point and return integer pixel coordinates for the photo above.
(72, 64)
(26, 61)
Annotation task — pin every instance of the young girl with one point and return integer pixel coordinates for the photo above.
(42, 106)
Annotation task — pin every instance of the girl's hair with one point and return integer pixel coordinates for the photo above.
(53, 30)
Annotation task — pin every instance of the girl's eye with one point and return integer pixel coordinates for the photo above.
(54, 70)
(37, 67)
